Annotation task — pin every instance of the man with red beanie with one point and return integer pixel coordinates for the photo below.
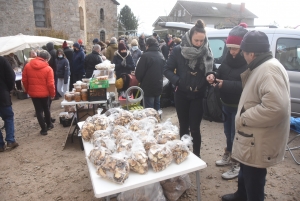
(123, 61)
(81, 45)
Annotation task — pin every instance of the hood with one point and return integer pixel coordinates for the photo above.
(29, 59)
(50, 46)
(38, 63)
(114, 46)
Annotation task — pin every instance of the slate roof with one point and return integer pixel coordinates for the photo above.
(199, 9)
(115, 2)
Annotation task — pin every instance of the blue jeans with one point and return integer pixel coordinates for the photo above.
(7, 114)
(229, 125)
(251, 183)
(152, 102)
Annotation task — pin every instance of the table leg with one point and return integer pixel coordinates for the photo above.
(198, 185)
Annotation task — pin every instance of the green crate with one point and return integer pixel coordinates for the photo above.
(94, 84)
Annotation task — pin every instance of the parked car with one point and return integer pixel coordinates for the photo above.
(284, 44)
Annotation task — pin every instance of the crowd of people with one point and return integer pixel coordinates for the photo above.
(254, 91)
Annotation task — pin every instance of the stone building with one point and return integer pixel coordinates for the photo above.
(215, 15)
(85, 19)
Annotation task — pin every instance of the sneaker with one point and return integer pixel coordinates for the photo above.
(12, 145)
(2, 149)
(225, 159)
(232, 197)
(50, 127)
(233, 172)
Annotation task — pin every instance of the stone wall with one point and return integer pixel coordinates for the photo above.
(95, 25)
(16, 16)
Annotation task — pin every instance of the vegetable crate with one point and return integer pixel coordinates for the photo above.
(97, 94)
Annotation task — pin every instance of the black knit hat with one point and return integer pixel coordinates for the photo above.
(255, 41)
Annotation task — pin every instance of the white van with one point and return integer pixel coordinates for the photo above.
(284, 44)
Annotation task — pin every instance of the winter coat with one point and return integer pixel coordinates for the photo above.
(142, 44)
(191, 82)
(69, 54)
(38, 79)
(90, 62)
(7, 82)
(135, 55)
(263, 117)
(149, 71)
(11, 61)
(110, 52)
(78, 62)
(119, 68)
(165, 51)
(52, 52)
(230, 72)
(63, 69)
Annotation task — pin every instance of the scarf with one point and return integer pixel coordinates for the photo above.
(192, 53)
(123, 63)
(236, 62)
(260, 59)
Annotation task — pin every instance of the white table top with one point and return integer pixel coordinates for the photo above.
(64, 102)
(18, 77)
(103, 187)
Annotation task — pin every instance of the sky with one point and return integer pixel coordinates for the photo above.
(283, 12)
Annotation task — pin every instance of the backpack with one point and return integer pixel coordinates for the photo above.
(212, 105)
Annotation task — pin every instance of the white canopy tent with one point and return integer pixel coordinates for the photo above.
(11, 44)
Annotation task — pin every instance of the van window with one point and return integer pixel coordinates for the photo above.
(219, 49)
(288, 53)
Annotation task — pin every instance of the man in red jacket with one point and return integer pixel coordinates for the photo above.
(38, 81)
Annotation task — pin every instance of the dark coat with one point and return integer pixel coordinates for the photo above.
(52, 52)
(136, 55)
(90, 62)
(165, 51)
(230, 71)
(63, 69)
(69, 54)
(7, 82)
(191, 82)
(149, 71)
(78, 62)
(123, 69)
(142, 44)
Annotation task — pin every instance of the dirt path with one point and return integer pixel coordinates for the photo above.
(39, 170)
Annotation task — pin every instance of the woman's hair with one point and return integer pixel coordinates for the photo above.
(151, 42)
(199, 28)
(45, 55)
(60, 51)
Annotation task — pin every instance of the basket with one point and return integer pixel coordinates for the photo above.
(99, 84)
(97, 94)
(21, 95)
(66, 122)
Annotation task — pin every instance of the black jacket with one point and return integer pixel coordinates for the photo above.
(142, 44)
(123, 69)
(165, 51)
(191, 82)
(69, 54)
(62, 69)
(52, 51)
(230, 71)
(149, 71)
(90, 62)
(7, 82)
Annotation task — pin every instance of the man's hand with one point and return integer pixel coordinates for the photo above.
(220, 83)
(103, 58)
(210, 78)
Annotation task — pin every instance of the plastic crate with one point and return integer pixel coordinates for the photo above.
(21, 95)
(97, 94)
(66, 122)
(99, 84)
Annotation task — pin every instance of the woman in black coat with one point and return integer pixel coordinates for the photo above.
(191, 60)
(62, 72)
(123, 61)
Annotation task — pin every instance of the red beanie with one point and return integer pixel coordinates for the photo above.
(236, 35)
(65, 44)
(121, 46)
(79, 41)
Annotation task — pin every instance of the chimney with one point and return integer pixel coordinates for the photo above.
(229, 5)
(242, 8)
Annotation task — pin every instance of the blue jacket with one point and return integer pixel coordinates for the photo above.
(78, 62)
(62, 69)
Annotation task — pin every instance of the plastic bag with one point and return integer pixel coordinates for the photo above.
(118, 130)
(139, 114)
(179, 149)
(166, 135)
(98, 155)
(87, 131)
(160, 157)
(124, 118)
(113, 111)
(188, 140)
(100, 121)
(173, 188)
(114, 168)
(125, 136)
(152, 112)
(100, 133)
(124, 145)
(138, 160)
(148, 140)
(106, 142)
(151, 192)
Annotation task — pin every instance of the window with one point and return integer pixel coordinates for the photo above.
(215, 8)
(41, 13)
(81, 18)
(102, 36)
(219, 49)
(101, 14)
(288, 53)
(179, 13)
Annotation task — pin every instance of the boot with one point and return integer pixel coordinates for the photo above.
(232, 197)
(225, 159)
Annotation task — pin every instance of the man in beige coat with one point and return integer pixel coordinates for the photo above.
(262, 120)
